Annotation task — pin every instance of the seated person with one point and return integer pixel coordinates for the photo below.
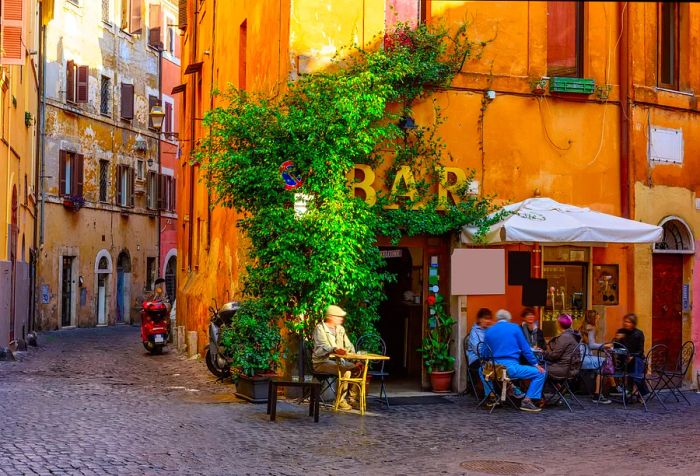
(484, 319)
(633, 339)
(533, 334)
(563, 357)
(593, 361)
(330, 338)
(508, 345)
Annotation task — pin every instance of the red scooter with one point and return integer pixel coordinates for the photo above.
(155, 324)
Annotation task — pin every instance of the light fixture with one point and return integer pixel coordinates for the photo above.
(140, 143)
(149, 162)
(407, 123)
(157, 115)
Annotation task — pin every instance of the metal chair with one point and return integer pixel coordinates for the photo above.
(617, 354)
(379, 373)
(327, 381)
(496, 375)
(562, 385)
(472, 378)
(656, 360)
(673, 378)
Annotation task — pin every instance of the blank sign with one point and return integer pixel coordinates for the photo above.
(478, 272)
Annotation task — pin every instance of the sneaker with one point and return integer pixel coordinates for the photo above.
(528, 406)
(617, 391)
(602, 401)
(516, 393)
(343, 405)
(492, 402)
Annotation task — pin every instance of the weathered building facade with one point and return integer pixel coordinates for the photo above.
(607, 144)
(19, 92)
(102, 184)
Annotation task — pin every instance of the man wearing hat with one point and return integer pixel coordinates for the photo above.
(508, 345)
(330, 338)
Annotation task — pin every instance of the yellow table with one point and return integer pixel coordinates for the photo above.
(359, 381)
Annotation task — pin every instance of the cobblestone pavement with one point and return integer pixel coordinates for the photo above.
(90, 401)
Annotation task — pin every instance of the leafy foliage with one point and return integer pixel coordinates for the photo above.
(436, 344)
(325, 123)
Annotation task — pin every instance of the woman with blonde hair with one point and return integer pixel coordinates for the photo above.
(591, 361)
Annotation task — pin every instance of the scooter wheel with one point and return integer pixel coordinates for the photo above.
(213, 368)
(157, 350)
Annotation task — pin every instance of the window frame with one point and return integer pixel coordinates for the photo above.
(105, 99)
(103, 187)
(674, 85)
(579, 44)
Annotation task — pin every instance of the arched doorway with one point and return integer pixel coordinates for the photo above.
(667, 274)
(123, 286)
(103, 269)
(170, 277)
(14, 231)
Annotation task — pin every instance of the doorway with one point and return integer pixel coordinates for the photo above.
(67, 291)
(667, 310)
(171, 278)
(123, 286)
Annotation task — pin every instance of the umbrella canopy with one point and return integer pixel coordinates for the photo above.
(543, 220)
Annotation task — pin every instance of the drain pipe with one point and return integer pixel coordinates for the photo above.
(623, 66)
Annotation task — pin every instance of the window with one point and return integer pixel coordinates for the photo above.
(70, 174)
(152, 102)
(131, 16)
(168, 121)
(26, 190)
(152, 187)
(171, 40)
(565, 39)
(104, 179)
(140, 174)
(106, 11)
(125, 186)
(150, 273)
(668, 56)
(127, 101)
(242, 54)
(13, 32)
(167, 193)
(77, 78)
(105, 95)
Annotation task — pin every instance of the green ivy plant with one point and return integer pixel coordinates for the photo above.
(325, 123)
(436, 343)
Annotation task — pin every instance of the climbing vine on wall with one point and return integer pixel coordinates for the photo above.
(325, 123)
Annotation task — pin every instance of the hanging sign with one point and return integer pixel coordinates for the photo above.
(290, 175)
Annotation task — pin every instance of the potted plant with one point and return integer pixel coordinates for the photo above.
(252, 341)
(73, 202)
(438, 361)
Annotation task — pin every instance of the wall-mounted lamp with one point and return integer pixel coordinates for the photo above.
(157, 115)
(140, 144)
(491, 94)
(149, 162)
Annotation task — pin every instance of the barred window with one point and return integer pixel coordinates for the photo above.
(104, 173)
(105, 90)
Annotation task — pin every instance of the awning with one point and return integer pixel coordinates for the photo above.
(543, 220)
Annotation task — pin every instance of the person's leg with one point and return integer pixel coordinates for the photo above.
(528, 372)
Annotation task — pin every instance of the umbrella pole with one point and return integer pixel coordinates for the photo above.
(537, 272)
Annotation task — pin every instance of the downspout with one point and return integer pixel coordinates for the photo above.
(623, 66)
(40, 157)
(160, 163)
(193, 106)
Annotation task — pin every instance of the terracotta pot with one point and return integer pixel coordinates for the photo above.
(441, 381)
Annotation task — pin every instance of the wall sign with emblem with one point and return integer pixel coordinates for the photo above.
(606, 285)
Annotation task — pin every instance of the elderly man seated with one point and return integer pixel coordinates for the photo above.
(330, 338)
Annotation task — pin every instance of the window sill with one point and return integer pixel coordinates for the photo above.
(106, 114)
(675, 91)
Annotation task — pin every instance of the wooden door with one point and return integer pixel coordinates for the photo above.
(667, 301)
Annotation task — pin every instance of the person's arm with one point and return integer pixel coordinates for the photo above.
(322, 346)
(592, 344)
(525, 349)
(557, 348)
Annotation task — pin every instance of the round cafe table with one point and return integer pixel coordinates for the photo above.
(361, 382)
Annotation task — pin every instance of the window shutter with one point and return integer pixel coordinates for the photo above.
(78, 175)
(70, 81)
(161, 190)
(168, 123)
(61, 173)
(154, 38)
(127, 99)
(120, 171)
(135, 25)
(155, 26)
(12, 33)
(173, 185)
(182, 15)
(82, 85)
(132, 174)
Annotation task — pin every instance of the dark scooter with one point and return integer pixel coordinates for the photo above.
(217, 363)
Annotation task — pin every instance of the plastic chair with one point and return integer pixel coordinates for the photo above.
(673, 378)
(380, 373)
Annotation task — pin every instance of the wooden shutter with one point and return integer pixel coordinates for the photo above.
(70, 81)
(132, 176)
(135, 24)
(61, 173)
(120, 171)
(154, 39)
(155, 26)
(127, 99)
(173, 187)
(160, 192)
(182, 14)
(12, 33)
(82, 84)
(77, 171)
(168, 123)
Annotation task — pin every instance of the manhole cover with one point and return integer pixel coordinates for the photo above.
(506, 468)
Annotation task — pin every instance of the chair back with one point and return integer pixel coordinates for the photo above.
(656, 359)
(685, 357)
(365, 340)
(578, 358)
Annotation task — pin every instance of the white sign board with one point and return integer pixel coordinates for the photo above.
(665, 145)
(478, 271)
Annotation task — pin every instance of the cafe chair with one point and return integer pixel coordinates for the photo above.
(378, 372)
(562, 386)
(472, 376)
(673, 378)
(496, 375)
(327, 381)
(656, 361)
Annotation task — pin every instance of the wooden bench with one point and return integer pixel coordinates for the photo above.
(314, 399)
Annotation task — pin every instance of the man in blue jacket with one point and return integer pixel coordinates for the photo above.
(508, 345)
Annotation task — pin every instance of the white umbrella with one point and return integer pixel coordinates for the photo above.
(543, 220)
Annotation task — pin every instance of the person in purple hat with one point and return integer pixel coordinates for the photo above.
(563, 357)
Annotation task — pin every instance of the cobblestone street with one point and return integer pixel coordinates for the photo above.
(90, 401)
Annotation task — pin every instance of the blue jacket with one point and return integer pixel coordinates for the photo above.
(507, 342)
(476, 335)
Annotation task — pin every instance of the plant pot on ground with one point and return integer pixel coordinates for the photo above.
(438, 361)
(252, 341)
